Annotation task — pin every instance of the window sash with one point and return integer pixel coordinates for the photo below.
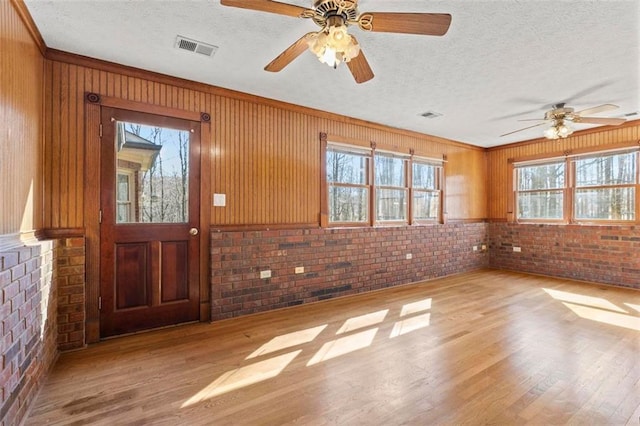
(350, 210)
(606, 195)
(389, 197)
(426, 205)
(359, 172)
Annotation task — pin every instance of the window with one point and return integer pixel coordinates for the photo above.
(598, 188)
(367, 186)
(605, 187)
(426, 193)
(348, 182)
(391, 187)
(541, 191)
(123, 197)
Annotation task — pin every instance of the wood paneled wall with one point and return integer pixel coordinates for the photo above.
(265, 155)
(21, 123)
(498, 167)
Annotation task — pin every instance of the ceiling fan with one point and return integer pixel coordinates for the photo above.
(560, 114)
(333, 44)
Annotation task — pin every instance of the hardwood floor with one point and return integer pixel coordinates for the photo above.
(489, 347)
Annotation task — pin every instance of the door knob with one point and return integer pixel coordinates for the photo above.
(193, 231)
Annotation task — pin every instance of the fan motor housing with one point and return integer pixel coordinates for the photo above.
(559, 113)
(347, 9)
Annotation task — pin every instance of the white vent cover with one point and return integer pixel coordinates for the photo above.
(195, 46)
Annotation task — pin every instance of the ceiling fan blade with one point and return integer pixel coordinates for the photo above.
(267, 6)
(436, 24)
(525, 128)
(595, 110)
(532, 119)
(600, 120)
(360, 69)
(289, 54)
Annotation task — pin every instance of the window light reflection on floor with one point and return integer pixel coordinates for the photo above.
(288, 340)
(363, 321)
(272, 366)
(596, 302)
(344, 345)
(410, 324)
(607, 317)
(633, 306)
(415, 307)
(243, 376)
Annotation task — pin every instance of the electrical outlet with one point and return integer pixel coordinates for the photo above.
(265, 274)
(517, 249)
(299, 269)
(409, 256)
(475, 248)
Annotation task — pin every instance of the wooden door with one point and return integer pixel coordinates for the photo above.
(149, 236)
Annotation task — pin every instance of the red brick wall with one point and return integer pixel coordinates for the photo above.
(70, 260)
(337, 262)
(42, 311)
(28, 303)
(606, 254)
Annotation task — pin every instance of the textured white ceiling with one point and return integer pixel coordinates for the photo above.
(501, 61)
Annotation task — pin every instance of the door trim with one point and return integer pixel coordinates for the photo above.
(91, 206)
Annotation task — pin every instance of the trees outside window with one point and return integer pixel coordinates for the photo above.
(541, 191)
(426, 179)
(605, 187)
(600, 188)
(348, 181)
(391, 187)
(153, 172)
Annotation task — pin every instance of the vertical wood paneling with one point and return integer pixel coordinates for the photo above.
(498, 170)
(265, 158)
(21, 118)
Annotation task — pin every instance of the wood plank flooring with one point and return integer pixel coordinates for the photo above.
(488, 347)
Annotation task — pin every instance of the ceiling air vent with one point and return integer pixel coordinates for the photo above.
(631, 114)
(195, 46)
(430, 114)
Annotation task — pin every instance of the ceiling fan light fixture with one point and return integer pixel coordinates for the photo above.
(559, 130)
(334, 45)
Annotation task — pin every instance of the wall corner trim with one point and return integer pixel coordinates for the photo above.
(25, 16)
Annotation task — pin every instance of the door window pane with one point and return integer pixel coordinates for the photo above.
(155, 162)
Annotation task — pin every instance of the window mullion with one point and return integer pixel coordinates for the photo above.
(570, 192)
(373, 198)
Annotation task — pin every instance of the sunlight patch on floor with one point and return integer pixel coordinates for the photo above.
(410, 324)
(415, 307)
(607, 317)
(633, 306)
(363, 321)
(595, 302)
(344, 345)
(243, 376)
(288, 340)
